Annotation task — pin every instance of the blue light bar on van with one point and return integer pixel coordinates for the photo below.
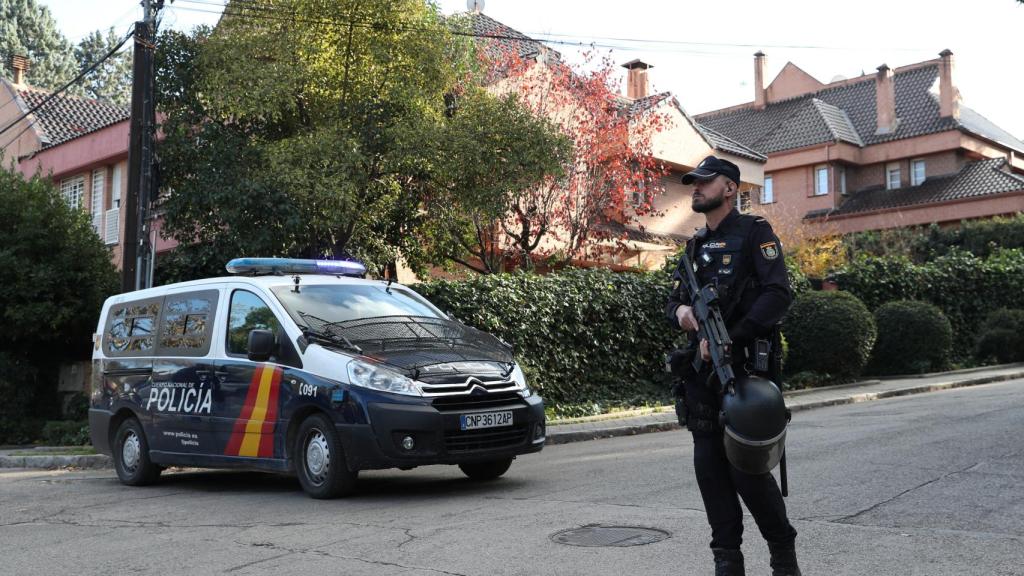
(264, 266)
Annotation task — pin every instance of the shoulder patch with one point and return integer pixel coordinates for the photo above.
(770, 250)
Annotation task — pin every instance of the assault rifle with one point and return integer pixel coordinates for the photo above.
(711, 326)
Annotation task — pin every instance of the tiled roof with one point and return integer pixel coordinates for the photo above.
(726, 144)
(498, 39)
(845, 112)
(67, 117)
(974, 180)
(618, 229)
(978, 124)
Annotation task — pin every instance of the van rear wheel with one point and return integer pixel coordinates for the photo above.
(320, 459)
(481, 471)
(131, 455)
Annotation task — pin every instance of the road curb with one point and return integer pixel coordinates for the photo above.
(85, 461)
(102, 461)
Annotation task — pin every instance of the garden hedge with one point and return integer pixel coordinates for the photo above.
(828, 333)
(1001, 337)
(583, 336)
(965, 287)
(913, 337)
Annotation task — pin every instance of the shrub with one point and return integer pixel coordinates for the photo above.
(965, 287)
(913, 337)
(65, 433)
(1002, 337)
(828, 333)
(585, 336)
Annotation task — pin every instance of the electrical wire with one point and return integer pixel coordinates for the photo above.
(71, 82)
(271, 12)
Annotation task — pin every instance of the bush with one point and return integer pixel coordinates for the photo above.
(65, 433)
(585, 336)
(965, 287)
(913, 337)
(981, 238)
(828, 333)
(1002, 337)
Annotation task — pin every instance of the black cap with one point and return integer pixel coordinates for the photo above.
(711, 167)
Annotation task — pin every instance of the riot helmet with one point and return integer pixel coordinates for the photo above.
(754, 418)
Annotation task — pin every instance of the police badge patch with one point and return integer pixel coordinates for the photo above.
(770, 250)
(726, 259)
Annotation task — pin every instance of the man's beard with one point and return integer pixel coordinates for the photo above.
(708, 205)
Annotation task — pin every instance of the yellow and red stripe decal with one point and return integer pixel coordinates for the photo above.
(253, 435)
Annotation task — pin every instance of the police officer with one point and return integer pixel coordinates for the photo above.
(743, 257)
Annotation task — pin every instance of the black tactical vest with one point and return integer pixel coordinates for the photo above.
(722, 258)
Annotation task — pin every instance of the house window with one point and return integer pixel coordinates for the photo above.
(96, 198)
(842, 180)
(112, 228)
(768, 192)
(72, 190)
(744, 200)
(892, 176)
(821, 180)
(917, 172)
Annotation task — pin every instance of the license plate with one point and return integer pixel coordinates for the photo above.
(485, 420)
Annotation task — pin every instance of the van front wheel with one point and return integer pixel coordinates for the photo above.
(320, 459)
(486, 470)
(131, 455)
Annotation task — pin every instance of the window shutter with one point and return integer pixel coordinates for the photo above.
(113, 228)
(97, 195)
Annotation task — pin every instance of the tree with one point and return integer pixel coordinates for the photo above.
(612, 157)
(290, 132)
(57, 272)
(111, 80)
(28, 29)
(494, 148)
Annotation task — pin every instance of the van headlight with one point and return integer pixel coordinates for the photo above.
(520, 379)
(379, 378)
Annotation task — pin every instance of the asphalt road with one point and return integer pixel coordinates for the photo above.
(921, 485)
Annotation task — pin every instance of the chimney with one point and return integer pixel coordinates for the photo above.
(20, 66)
(949, 96)
(760, 94)
(885, 101)
(637, 85)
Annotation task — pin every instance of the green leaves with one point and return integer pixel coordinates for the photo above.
(585, 335)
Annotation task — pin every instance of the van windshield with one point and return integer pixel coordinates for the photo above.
(344, 302)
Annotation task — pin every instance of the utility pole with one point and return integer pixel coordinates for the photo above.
(137, 256)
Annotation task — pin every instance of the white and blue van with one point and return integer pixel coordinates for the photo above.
(302, 366)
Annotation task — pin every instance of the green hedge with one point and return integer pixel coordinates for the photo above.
(965, 287)
(828, 333)
(913, 337)
(1001, 337)
(583, 336)
(922, 243)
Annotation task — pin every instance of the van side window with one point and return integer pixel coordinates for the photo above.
(187, 323)
(248, 312)
(131, 327)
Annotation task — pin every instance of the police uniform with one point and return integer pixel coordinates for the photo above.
(743, 258)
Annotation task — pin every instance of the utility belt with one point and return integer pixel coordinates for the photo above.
(762, 356)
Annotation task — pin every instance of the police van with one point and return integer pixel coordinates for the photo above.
(302, 366)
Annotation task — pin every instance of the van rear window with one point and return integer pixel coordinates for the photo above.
(131, 328)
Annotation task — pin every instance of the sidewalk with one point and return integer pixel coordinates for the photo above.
(637, 421)
(664, 418)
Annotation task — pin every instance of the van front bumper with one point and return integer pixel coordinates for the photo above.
(437, 435)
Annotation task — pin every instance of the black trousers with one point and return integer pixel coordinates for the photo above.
(722, 486)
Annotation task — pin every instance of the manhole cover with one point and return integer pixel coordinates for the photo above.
(597, 535)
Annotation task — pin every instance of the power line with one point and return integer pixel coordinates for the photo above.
(63, 88)
(271, 13)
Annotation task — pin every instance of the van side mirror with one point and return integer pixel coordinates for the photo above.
(261, 345)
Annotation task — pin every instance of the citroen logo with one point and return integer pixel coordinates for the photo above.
(475, 384)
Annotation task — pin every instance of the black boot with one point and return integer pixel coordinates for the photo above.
(784, 562)
(728, 562)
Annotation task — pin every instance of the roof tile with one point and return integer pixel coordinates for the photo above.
(66, 117)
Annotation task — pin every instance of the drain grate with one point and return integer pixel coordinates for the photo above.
(597, 535)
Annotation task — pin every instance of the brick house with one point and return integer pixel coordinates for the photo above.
(81, 144)
(894, 148)
(648, 239)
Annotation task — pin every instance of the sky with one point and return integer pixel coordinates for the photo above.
(703, 51)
